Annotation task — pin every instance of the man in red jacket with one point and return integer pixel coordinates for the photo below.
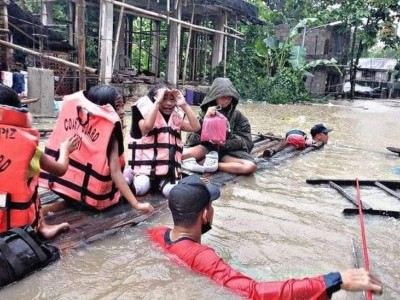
(191, 205)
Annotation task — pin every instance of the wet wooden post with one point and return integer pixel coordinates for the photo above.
(218, 42)
(188, 45)
(117, 44)
(4, 31)
(81, 41)
(47, 13)
(155, 47)
(71, 18)
(106, 36)
(41, 85)
(174, 35)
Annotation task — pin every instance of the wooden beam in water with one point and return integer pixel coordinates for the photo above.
(373, 212)
(349, 197)
(393, 184)
(387, 190)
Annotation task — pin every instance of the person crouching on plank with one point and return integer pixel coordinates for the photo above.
(94, 176)
(233, 155)
(190, 202)
(20, 164)
(157, 122)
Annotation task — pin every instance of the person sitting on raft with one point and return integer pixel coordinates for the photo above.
(233, 155)
(20, 164)
(94, 176)
(190, 203)
(157, 122)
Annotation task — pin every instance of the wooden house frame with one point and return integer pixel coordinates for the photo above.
(191, 24)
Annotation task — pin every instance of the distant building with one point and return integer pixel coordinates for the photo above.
(323, 42)
(377, 74)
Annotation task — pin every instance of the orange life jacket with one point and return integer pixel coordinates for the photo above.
(159, 152)
(19, 201)
(88, 178)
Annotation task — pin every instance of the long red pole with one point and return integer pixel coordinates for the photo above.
(363, 237)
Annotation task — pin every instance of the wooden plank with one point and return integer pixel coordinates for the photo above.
(373, 212)
(395, 150)
(393, 184)
(387, 190)
(262, 146)
(87, 225)
(349, 197)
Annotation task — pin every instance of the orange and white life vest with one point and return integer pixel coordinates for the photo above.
(88, 178)
(159, 152)
(19, 201)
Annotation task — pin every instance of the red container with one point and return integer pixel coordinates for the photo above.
(214, 129)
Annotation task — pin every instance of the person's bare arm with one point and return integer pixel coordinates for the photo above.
(147, 123)
(59, 167)
(119, 180)
(192, 124)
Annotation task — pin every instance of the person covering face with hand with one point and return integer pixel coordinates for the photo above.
(157, 145)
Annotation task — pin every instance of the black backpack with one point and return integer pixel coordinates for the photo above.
(22, 252)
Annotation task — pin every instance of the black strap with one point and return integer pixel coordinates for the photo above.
(159, 145)
(77, 188)
(133, 160)
(79, 166)
(171, 167)
(154, 159)
(32, 243)
(15, 263)
(86, 182)
(168, 129)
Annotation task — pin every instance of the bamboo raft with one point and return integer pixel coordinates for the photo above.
(89, 225)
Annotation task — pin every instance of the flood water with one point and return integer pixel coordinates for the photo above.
(271, 226)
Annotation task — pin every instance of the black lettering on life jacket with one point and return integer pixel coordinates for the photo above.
(70, 124)
(8, 133)
(79, 141)
(4, 165)
(91, 132)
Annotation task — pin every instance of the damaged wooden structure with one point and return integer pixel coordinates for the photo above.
(391, 187)
(182, 40)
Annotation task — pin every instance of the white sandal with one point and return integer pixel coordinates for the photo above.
(211, 162)
(191, 164)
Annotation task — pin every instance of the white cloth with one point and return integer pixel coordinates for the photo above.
(7, 78)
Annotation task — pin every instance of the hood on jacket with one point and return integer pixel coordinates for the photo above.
(221, 87)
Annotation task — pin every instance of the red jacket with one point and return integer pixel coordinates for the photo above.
(204, 260)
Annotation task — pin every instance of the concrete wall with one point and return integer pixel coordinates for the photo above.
(41, 85)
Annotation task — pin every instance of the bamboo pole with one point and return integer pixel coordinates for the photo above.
(188, 46)
(80, 30)
(121, 15)
(164, 17)
(46, 57)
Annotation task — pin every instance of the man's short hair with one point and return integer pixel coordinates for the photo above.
(319, 128)
(189, 197)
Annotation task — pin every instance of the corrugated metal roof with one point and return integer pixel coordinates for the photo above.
(377, 63)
